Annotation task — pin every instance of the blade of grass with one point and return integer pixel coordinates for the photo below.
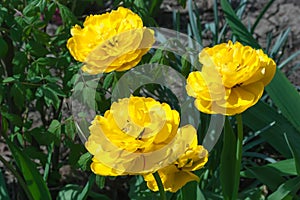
(261, 14)
(286, 188)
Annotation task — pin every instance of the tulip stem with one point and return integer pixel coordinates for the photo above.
(239, 149)
(160, 186)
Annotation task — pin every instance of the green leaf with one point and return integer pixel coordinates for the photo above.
(85, 161)
(13, 118)
(31, 10)
(56, 89)
(33, 178)
(42, 136)
(286, 97)
(70, 128)
(272, 125)
(20, 61)
(3, 190)
(267, 176)
(37, 49)
(158, 55)
(100, 181)
(290, 186)
(67, 16)
(140, 191)
(72, 191)
(191, 191)
(186, 66)
(237, 27)
(17, 92)
(283, 168)
(8, 80)
(286, 61)
(50, 97)
(261, 14)
(3, 48)
(196, 29)
(281, 40)
(227, 164)
(108, 80)
(55, 129)
(154, 6)
(294, 146)
(85, 191)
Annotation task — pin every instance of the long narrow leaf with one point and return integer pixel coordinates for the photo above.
(85, 191)
(228, 163)
(261, 14)
(267, 176)
(286, 97)
(193, 21)
(279, 42)
(274, 125)
(191, 191)
(294, 145)
(33, 178)
(3, 190)
(286, 61)
(237, 27)
(286, 188)
(282, 168)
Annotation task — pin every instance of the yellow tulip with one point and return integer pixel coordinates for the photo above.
(137, 135)
(114, 41)
(232, 78)
(176, 175)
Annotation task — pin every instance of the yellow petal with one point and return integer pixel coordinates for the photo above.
(172, 178)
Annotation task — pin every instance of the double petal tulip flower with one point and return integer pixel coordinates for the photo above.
(176, 175)
(139, 135)
(232, 79)
(114, 41)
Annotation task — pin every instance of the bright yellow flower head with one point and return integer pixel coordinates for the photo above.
(176, 175)
(232, 79)
(114, 41)
(137, 135)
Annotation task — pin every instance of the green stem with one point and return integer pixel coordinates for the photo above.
(239, 145)
(160, 186)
